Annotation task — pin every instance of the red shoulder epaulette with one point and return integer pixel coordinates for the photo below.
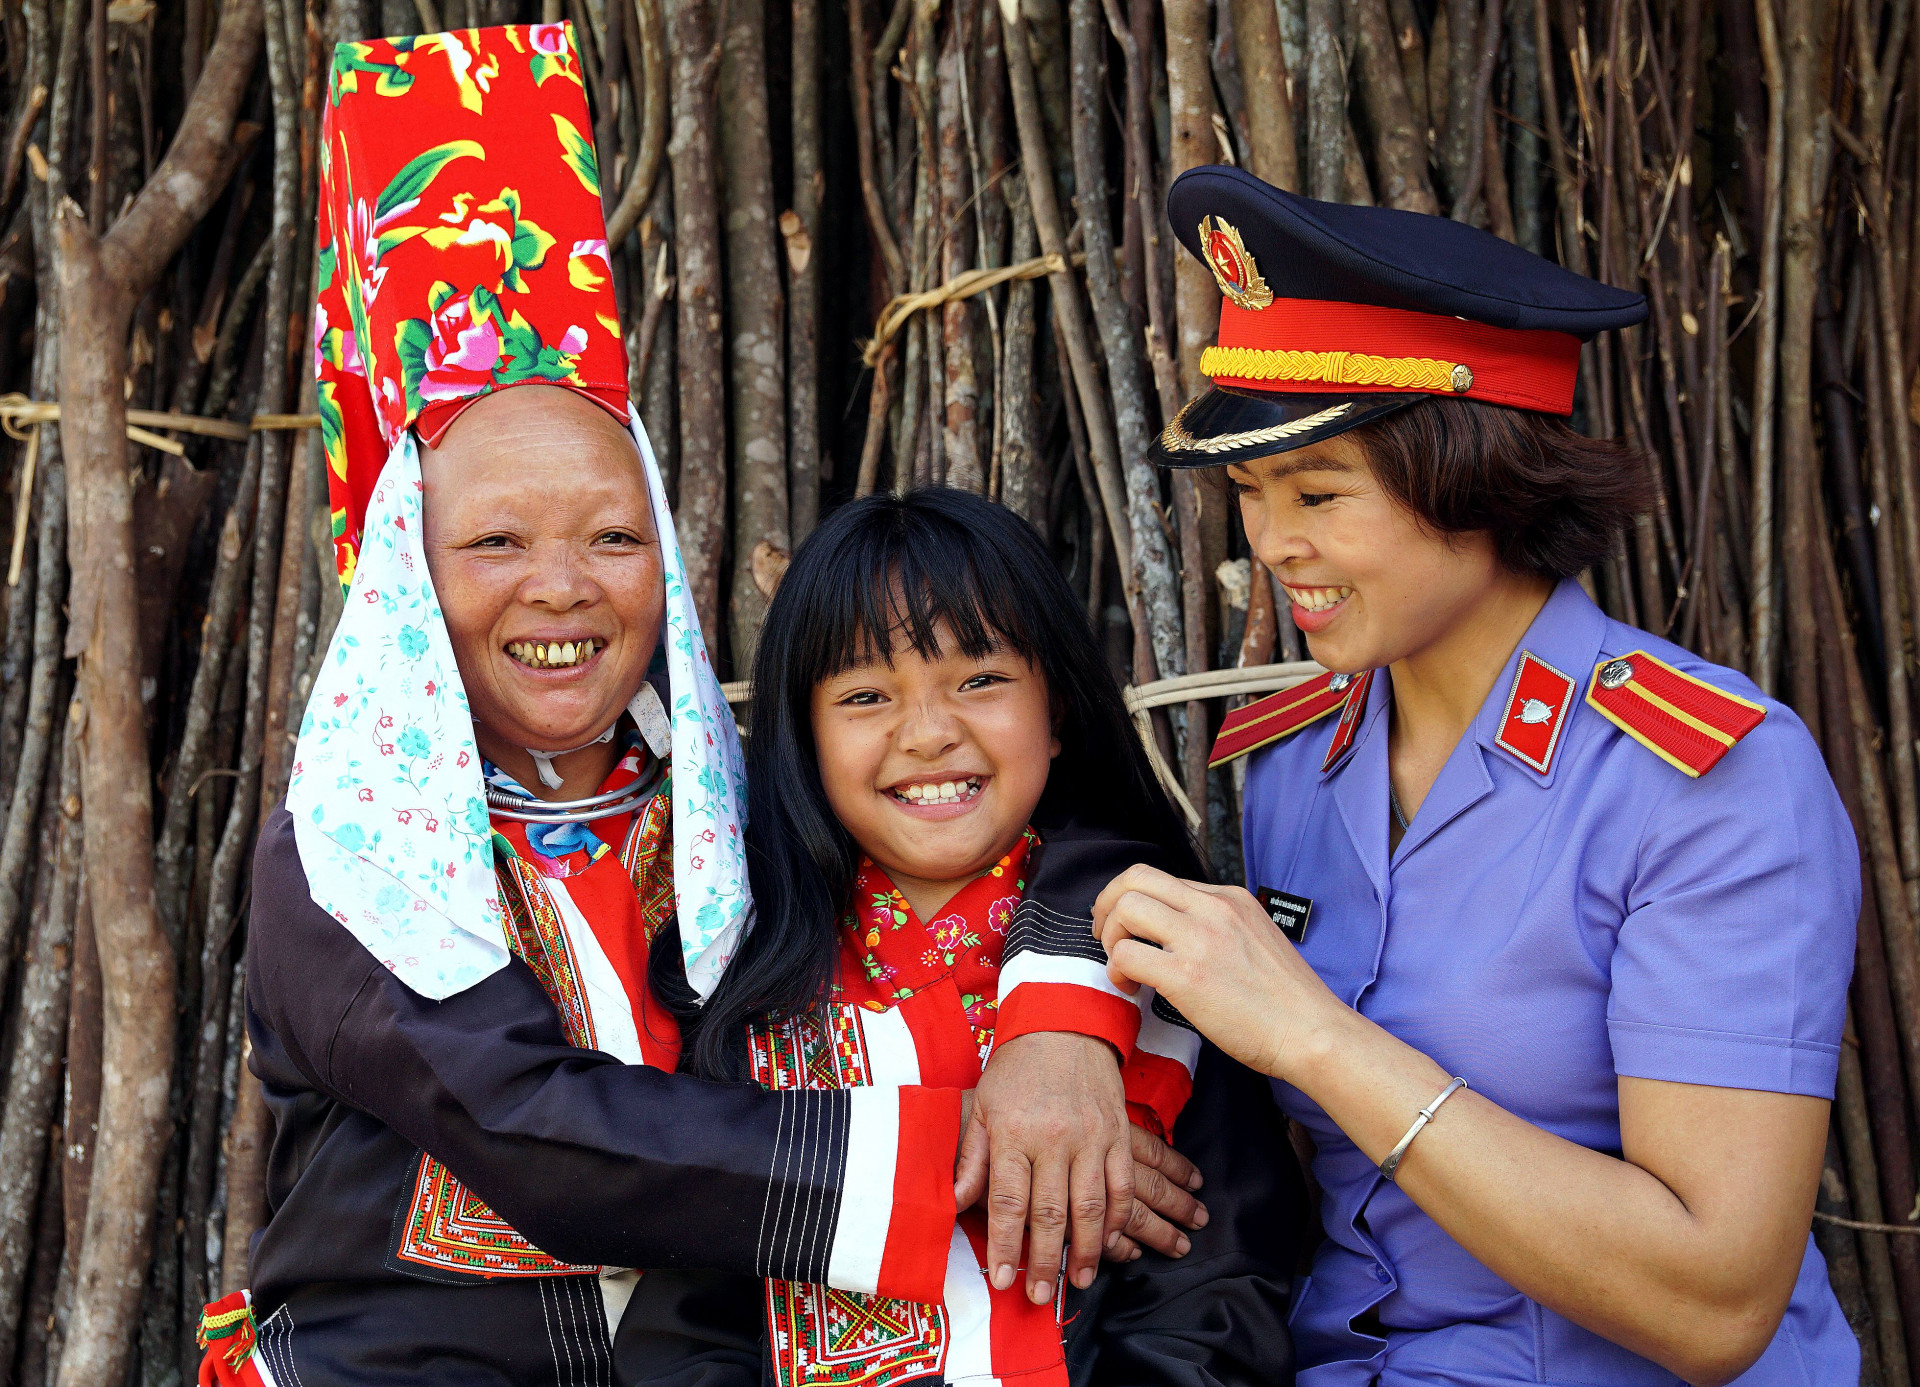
(1685, 721)
(1273, 717)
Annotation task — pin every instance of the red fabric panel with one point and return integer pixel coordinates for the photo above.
(1025, 1337)
(942, 1037)
(914, 1265)
(1160, 1085)
(1065, 1006)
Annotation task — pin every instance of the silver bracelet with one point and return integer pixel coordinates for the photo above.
(1392, 1162)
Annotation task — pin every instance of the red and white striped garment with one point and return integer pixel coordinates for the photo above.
(918, 1004)
(582, 909)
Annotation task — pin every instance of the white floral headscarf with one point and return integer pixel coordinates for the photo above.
(389, 810)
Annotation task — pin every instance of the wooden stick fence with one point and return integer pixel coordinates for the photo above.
(960, 276)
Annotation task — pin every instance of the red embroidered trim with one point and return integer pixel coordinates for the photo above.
(822, 1336)
(537, 935)
(445, 1226)
(450, 1229)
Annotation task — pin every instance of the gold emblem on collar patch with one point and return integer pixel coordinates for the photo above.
(1233, 268)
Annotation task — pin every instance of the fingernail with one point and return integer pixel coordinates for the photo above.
(1194, 1181)
(1181, 1246)
(1042, 1292)
(1136, 1255)
(1200, 1216)
(1002, 1277)
(1083, 1278)
(1113, 1238)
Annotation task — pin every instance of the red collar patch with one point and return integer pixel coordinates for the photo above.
(1350, 714)
(1537, 706)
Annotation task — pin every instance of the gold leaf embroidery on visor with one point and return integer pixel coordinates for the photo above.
(1336, 368)
(1176, 439)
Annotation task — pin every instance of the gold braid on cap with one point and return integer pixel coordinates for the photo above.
(1176, 439)
(1336, 368)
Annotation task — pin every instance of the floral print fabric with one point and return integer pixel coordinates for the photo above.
(462, 248)
(455, 169)
(894, 954)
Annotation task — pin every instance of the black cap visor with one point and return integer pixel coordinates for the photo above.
(1227, 424)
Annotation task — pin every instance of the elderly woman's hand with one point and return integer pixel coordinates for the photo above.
(1047, 1143)
(1214, 954)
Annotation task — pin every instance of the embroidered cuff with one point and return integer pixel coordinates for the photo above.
(900, 1142)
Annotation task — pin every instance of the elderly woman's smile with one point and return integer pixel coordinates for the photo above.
(541, 542)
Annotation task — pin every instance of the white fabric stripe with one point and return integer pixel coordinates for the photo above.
(1163, 1038)
(969, 1317)
(1033, 967)
(866, 1201)
(616, 1290)
(893, 1061)
(605, 996)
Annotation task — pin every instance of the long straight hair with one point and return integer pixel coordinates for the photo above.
(886, 571)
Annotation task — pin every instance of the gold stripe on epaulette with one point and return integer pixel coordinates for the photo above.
(1336, 368)
(1175, 438)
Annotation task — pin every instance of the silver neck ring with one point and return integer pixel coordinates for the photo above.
(625, 800)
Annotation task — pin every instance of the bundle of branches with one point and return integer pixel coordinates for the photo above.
(865, 244)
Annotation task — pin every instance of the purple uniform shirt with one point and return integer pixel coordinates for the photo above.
(1541, 935)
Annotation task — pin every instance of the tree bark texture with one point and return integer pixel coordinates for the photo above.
(699, 344)
(757, 326)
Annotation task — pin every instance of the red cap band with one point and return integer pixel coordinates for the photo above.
(1528, 368)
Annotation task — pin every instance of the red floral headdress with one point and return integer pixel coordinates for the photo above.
(462, 245)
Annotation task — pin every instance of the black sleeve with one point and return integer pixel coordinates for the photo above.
(1218, 1316)
(693, 1329)
(592, 1160)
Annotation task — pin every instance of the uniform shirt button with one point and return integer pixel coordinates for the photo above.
(1381, 1274)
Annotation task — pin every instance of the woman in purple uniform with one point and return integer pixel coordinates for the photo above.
(1549, 922)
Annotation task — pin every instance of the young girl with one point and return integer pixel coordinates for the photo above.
(942, 779)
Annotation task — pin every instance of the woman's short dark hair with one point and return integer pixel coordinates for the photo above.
(1552, 499)
(882, 570)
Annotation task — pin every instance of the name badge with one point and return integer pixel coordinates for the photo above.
(1286, 910)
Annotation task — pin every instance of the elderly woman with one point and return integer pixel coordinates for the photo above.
(507, 842)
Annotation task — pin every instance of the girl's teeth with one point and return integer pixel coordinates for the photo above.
(942, 792)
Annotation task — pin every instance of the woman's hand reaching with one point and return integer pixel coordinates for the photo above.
(1213, 953)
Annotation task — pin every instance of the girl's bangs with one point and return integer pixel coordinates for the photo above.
(896, 590)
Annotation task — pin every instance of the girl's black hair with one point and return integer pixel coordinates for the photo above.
(882, 569)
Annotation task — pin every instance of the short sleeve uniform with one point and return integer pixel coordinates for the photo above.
(1543, 932)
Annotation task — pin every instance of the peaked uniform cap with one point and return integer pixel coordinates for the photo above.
(462, 248)
(1334, 315)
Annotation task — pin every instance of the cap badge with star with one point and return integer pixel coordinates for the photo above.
(1332, 316)
(1233, 269)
